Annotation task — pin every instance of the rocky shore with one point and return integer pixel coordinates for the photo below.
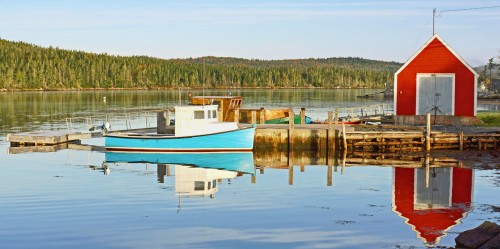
(485, 236)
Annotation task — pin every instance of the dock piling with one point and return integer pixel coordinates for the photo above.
(237, 115)
(428, 132)
(461, 138)
(291, 129)
(302, 115)
(336, 115)
(329, 138)
(344, 137)
(262, 116)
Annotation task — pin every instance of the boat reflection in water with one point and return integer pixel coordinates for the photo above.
(196, 174)
(432, 200)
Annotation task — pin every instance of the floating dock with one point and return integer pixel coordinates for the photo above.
(42, 138)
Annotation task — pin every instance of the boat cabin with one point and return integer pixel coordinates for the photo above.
(226, 104)
(193, 120)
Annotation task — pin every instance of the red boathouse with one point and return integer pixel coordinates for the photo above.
(435, 80)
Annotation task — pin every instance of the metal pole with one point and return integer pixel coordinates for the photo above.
(433, 17)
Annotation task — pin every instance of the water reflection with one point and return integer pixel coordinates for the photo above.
(336, 200)
(430, 193)
(196, 174)
(193, 181)
(240, 161)
(432, 200)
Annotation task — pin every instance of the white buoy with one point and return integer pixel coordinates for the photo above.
(104, 99)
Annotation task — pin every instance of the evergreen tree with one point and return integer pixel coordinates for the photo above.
(27, 66)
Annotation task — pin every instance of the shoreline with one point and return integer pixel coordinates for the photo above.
(3, 90)
(169, 88)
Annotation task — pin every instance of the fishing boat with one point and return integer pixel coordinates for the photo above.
(196, 130)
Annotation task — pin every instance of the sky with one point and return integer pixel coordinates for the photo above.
(255, 29)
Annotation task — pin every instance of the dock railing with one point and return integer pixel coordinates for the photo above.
(118, 121)
(364, 111)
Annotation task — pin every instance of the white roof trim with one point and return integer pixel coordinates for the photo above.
(447, 46)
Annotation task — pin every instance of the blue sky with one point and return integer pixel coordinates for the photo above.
(275, 29)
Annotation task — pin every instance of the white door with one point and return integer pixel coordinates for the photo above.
(435, 94)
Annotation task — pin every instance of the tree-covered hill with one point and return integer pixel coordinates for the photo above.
(27, 66)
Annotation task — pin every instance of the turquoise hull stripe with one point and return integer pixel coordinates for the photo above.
(238, 140)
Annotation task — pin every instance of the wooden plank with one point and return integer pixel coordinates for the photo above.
(305, 127)
(39, 137)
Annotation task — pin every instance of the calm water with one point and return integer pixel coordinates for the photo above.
(82, 199)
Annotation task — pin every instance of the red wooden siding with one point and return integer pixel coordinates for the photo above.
(435, 58)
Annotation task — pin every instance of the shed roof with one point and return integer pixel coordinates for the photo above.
(436, 36)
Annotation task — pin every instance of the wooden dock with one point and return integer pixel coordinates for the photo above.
(311, 137)
(418, 141)
(48, 138)
(42, 138)
(330, 136)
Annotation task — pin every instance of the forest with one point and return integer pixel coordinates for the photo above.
(26, 66)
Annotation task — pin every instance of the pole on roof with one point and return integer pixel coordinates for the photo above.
(433, 18)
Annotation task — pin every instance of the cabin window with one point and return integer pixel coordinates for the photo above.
(199, 185)
(214, 183)
(214, 114)
(209, 114)
(209, 185)
(199, 114)
(216, 102)
(234, 103)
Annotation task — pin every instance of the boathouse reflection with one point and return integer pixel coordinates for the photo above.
(432, 200)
